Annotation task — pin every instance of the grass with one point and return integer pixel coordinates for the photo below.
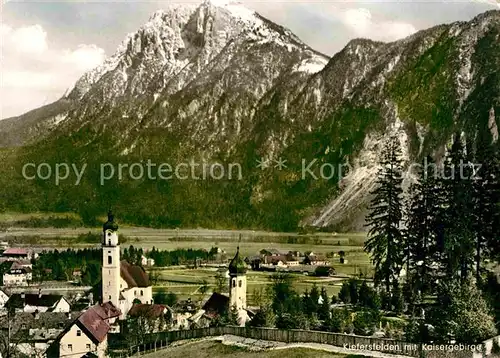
(211, 349)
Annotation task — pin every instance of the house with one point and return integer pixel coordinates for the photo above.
(16, 253)
(18, 274)
(146, 261)
(183, 312)
(292, 260)
(254, 261)
(152, 317)
(273, 252)
(87, 335)
(123, 284)
(216, 305)
(32, 333)
(38, 302)
(275, 260)
(316, 260)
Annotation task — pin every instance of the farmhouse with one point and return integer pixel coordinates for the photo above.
(37, 302)
(18, 274)
(145, 261)
(152, 317)
(316, 260)
(15, 254)
(86, 335)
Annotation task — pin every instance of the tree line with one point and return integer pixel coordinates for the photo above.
(438, 241)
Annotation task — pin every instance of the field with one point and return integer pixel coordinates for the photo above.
(186, 282)
(211, 349)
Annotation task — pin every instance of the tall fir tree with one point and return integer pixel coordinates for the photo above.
(459, 194)
(486, 199)
(385, 236)
(423, 226)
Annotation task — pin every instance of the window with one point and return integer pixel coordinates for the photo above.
(78, 333)
(142, 293)
(88, 347)
(110, 260)
(110, 297)
(239, 283)
(70, 347)
(234, 283)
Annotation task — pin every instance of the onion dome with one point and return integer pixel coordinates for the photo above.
(110, 224)
(237, 265)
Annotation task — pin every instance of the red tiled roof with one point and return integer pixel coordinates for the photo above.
(140, 309)
(95, 321)
(15, 251)
(134, 276)
(107, 310)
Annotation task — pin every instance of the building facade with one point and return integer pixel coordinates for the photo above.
(238, 287)
(123, 284)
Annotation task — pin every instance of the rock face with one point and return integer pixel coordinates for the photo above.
(222, 83)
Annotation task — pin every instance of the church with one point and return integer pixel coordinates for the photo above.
(218, 303)
(123, 284)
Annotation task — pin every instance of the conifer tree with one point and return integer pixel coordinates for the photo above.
(487, 198)
(314, 296)
(423, 223)
(458, 191)
(385, 237)
(324, 307)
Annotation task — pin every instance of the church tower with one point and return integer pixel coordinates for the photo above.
(238, 285)
(110, 262)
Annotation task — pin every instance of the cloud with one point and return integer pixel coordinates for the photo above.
(33, 72)
(491, 2)
(30, 40)
(85, 57)
(361, 22)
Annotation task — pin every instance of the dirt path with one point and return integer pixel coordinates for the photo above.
(258, 344)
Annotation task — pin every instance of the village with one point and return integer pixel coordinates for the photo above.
(43, 319)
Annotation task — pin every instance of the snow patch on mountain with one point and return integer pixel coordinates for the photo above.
(311, 65)
(492, 124)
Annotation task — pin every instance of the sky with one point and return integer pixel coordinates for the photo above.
(45, 46)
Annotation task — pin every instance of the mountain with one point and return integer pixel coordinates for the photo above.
(220, 83)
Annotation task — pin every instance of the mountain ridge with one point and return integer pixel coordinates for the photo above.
(257, 94)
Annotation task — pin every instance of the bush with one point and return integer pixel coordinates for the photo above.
(461, 312)
(345, 293)
(366, 322)
(322, 271)
(289, 321)
(368, 297)
(339, 321)
(264, 317)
